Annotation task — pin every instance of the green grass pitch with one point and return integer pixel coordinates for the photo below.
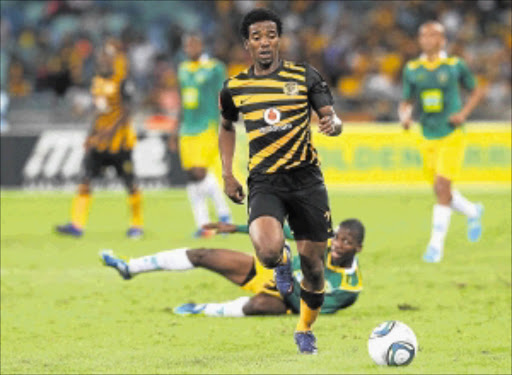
(63, 312)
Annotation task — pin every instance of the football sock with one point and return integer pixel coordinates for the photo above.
(233, 309)
(310, 304)
(217, 195)
(197, 197)
(80, 209)
(169, 260)
(440, 223)
(460, 204)
(135, 204)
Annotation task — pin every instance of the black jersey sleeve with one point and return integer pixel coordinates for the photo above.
(228, 108)
(319, 94)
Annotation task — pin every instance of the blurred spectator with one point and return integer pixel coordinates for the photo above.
(359, 46)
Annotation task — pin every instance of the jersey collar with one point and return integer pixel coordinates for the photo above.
(278, 69)
(350, 270)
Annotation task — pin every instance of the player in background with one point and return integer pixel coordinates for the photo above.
(342, 274)
(200, 79)
(433, 80)
(275, 99)
(109, 143)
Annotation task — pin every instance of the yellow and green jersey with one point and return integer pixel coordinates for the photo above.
(435, 86)
(342, 285)
(200, 84)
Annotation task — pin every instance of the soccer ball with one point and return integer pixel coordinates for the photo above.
(392, 343)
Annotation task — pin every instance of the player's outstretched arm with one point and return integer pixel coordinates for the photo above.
(330, 124)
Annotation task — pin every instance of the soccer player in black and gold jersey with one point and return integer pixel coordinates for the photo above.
(275, 99)
(109, 143)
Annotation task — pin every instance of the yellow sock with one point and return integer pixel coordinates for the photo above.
(80, 209)
(135, 204)
(284, 257)
(307, 317)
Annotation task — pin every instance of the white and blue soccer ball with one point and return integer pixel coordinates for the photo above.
(392, 343)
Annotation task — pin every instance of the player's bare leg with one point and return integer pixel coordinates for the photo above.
(311, 293)
(264, 304)
(268, 240)
(233, 265)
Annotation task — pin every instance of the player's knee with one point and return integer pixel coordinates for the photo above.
(196, 174)
(312, 299)
(270, 256)
(268, 248)
(199, 256)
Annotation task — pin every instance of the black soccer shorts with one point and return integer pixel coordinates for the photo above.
(95, 163)
(299, 196)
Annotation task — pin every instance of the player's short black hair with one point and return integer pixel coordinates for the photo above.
(259, 15)
(356, 227)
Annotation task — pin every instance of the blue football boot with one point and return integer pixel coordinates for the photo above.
(432, 255)
(109, 259)
(283, 273)
(306, 342)
(189, 309)
(475, 224)
(134, 233)
(69, 230)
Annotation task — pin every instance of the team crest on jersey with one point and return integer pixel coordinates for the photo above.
(291, 88)
(272, 116)
(442, 77)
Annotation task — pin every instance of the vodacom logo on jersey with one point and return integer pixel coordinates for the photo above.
(272, 116)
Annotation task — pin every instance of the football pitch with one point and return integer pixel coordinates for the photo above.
(63, 312)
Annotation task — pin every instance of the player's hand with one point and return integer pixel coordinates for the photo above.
(405, 115)
(233, 189)
(457, 119)
(330, 125)
(220, 227)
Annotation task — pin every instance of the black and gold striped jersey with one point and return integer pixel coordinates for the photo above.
(276, 109)
(110, 97)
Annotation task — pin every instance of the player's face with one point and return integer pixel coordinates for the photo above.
(193, 47)
(344, 244)
(263, 42)
(431, 38)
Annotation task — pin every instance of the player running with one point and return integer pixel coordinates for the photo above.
(433, 80)
(275, 98)
(200, 78)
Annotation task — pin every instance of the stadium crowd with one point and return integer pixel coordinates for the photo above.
(47, 48)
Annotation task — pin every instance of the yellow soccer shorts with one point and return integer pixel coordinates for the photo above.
(199, 150)
(263, 281)
(443, 156)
